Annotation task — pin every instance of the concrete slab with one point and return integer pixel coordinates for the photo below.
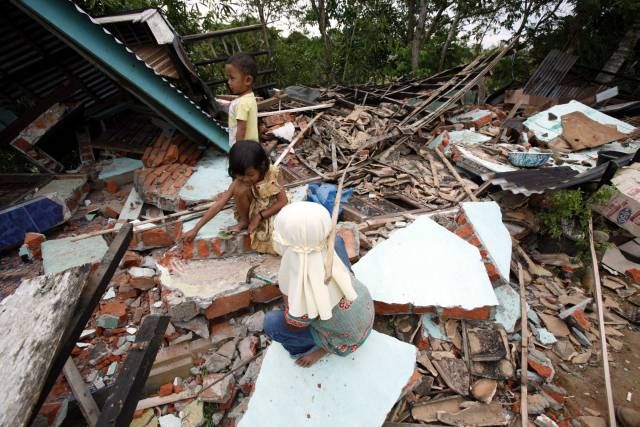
(336, 391)
(65, 188)
(486, 219)
(212, 229)
(210, 178)
(132, 207)
(62, 254)
(120, 170)
(508, 311)
(426, 265)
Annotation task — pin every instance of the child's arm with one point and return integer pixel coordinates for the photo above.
(241, 129)
(270, 211)
(221, 200)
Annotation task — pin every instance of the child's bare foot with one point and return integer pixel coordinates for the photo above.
(235, 229)
(311, 358)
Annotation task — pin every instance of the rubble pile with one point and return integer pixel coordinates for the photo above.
(448, 196)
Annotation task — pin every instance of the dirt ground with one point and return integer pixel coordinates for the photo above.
(586, 386)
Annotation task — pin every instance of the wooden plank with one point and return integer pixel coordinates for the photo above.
(297, 139)
(132, 207)
(456, 175)
(87, 405)
(152, 402)
(33, 322)
(296, 110)
(121, 404)
(86, 304)
(603, 337)
(524, 319)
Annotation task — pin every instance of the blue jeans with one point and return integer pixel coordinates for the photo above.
(299, 341)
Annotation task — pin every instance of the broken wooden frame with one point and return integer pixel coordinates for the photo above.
(120, 406)
(89, 299)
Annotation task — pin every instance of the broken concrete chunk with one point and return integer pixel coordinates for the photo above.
(555, 325)
(228, 349)
(169, 420)
(180, 309)
(564, 350)
(508, 310)
(478, 415)
(142, 278)
(484, 390)
(544, 336)
(448, 272)
(428, 411)
(248, 347)
(283, 387)
(215, 362)
(588, 421)
(248, 380)
(221, 391)
(254, 322)
(486, 220)
(193, 414)
(544, 421)
(198, 325)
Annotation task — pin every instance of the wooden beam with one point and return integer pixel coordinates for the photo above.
(297, 139)
(524, 333)
(89, 299)
(603, 336)
(87, 405)
(221, 33)
(121, 404)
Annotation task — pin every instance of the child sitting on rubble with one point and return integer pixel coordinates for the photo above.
(320, 317)
(258, 194)
(241, 72)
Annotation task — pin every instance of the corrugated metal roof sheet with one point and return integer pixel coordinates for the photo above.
(549, 74)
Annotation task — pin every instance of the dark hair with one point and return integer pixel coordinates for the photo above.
(245, 63)
(247, 154)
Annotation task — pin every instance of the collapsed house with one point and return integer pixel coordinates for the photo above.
(438, 223)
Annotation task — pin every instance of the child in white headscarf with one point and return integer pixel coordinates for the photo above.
(320, 317)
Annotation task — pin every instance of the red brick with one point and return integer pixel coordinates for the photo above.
(581, 319)
(413, 381)
(542, 370)
(247, 243)
(172, 154)
(34, 242)
(166, 389)
(112, 187)
(421, 341)
(114, 308)
(187, 250)
(634, 274)
(464, 231)
(475, 242)
(482, 121)
(203, 248)
(492, 271)
(121, 279)
(481, 313)
(461, 219)
(157, 237)
(131, 259)
(216, 246)
(142, 283)
(389, 309)
(228, 304)
(423, 310)
(265, 294)
(109, 212)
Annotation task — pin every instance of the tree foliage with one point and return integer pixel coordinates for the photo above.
(338, 41)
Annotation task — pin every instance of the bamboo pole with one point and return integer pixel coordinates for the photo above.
(456, 175)
(603, 337)
(524, 332)
(328, 263)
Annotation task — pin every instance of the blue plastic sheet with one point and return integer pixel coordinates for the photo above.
(39, 215)
(325, 194)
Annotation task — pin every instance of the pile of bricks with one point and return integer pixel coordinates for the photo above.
(169, 148)
(217, 247)
(169, 163)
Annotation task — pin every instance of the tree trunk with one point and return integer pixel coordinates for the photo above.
(265, 33)
(412, 10)
(320, 11)
(417, 35)
(453, 30)
(425, 35)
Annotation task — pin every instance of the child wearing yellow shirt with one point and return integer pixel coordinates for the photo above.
(241, 70)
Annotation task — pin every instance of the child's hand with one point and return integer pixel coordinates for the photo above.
(188, 236)
(253, 224)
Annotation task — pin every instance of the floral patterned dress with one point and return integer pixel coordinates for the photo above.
(349, 326)
(265, 193)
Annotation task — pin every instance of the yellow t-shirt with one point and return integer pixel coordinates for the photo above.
(243, 108)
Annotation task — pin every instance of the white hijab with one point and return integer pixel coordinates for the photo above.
(300, 236)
